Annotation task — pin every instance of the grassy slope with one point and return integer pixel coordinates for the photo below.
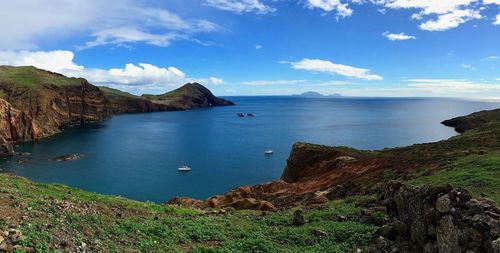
(480, 174)
(31, 77)
(114, 94)
(470, 160)
(56, 213)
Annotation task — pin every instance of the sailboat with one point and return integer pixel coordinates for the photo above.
(268, 151)
(184, 168)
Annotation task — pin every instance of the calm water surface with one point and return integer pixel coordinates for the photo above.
(137, 155)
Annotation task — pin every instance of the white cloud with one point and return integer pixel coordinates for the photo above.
(497, 20)
(468, 66)
(494, 57)
(315, 83)
(397, 36)
(453, 86)
(25, 22)
(342, 9)
(57, 61)
(491, 2)
(273, 82)
(450, 20)
(132, 77)
(324, 66)
(258, 47)
(241, 6)
(450, 13)
(427, 6)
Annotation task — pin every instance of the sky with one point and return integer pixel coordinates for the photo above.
(263, 47)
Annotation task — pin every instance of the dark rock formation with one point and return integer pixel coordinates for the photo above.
(189, 96)
(436, 219)
(66, 158)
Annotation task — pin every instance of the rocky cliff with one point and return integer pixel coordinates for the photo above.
(191, 95)
(14, 125)
(38, 103)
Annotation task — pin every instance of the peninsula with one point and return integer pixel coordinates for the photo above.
(36, 103)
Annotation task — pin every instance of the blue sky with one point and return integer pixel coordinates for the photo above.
(263, 47)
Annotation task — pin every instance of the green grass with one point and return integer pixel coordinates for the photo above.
(31, 77)
(114, 93)
(477, 173)
(147, 227)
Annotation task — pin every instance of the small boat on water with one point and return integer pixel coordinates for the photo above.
(184, 168)
(250, 115)
(241, 115)
(268, 151)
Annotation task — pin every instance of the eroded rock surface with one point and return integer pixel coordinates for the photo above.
(436, 219)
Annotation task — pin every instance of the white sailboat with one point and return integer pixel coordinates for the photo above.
(268, 151)
(184, 168)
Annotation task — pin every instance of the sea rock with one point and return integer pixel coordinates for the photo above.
(66, 158)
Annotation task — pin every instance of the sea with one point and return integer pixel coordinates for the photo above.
(137, 155)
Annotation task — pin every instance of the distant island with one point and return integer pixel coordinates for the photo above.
(314, 94)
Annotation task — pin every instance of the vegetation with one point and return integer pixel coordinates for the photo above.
(60, 217)
(116, 94)
(480, 174)
(33, 78)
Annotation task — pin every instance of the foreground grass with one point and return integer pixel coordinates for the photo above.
(479, 174)
(55, 217)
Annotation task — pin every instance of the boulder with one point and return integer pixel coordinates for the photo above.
(298, 218)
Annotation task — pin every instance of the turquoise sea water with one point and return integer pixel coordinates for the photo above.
(137, 155)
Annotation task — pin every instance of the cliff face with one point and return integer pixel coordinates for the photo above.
(37, 103)
(14, 125)
(48, 101)
(191, 95)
